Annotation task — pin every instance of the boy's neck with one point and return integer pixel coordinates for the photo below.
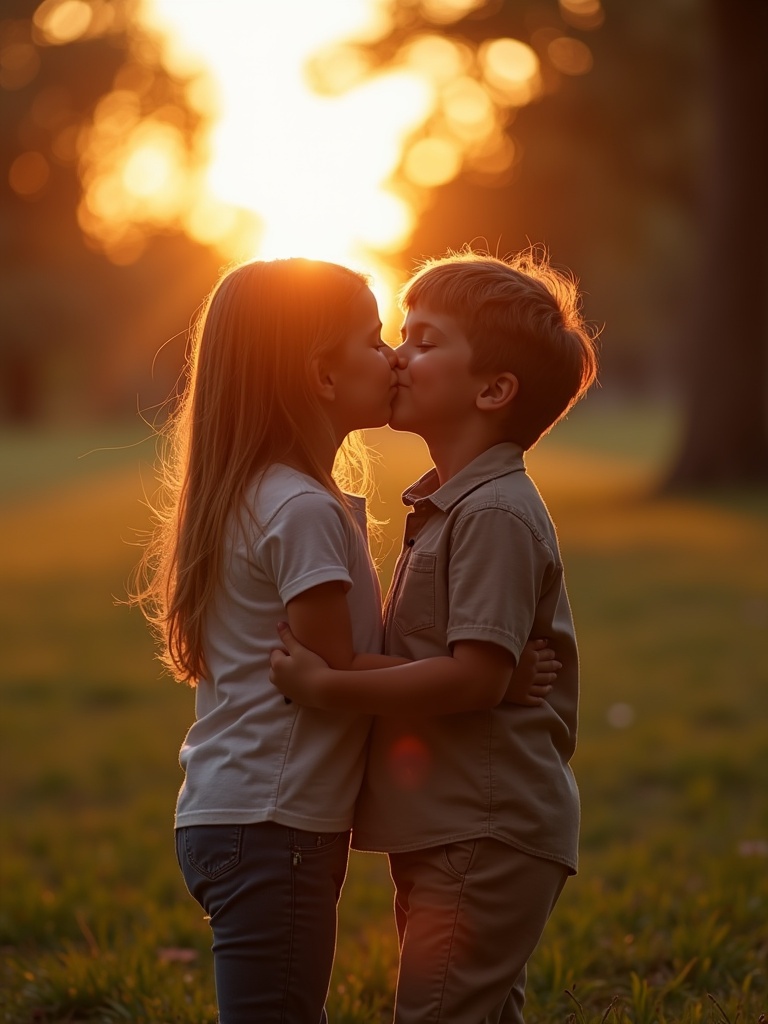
(451, 454)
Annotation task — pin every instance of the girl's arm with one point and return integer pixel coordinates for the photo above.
(534, 674)
(319, 619)
(474, 678)
(330, 675)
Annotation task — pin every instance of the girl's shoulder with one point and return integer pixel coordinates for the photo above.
(280, 485)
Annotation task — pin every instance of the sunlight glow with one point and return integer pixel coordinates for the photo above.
(133, 172)
(314, 168)
(306, 149)
(149, 171)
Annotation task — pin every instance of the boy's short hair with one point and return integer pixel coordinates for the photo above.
(519, 315)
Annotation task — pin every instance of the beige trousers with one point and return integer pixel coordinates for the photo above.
(469, 915)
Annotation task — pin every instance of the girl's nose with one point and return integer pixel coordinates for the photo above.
(401, 360)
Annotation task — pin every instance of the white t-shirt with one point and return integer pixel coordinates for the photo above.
(249, 756)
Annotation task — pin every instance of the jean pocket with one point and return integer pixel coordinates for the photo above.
(306, 842)
(212, 850)
(458, 857)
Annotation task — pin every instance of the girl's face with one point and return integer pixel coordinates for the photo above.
(361, 371)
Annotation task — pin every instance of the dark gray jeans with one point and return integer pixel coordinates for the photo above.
(271, 893)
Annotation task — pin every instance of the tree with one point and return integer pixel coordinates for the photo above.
(726, 365)
(68, 277)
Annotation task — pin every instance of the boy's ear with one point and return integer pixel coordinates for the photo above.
(497, 392)
(321, 379)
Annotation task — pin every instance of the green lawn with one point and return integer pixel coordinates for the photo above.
(666, 920)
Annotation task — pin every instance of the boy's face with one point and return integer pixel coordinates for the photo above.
(436, 388)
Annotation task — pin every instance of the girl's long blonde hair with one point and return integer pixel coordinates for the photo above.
(247, 403)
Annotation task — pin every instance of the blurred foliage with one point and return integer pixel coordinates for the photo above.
(83, 311)
(606, 164)
(634, 160)
(628, 148)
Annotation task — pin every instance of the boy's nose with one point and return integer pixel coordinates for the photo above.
(401, 360)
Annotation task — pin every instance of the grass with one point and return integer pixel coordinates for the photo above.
(666, 920)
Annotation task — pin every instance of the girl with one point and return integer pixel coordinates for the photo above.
(287, 361)
(255, 529)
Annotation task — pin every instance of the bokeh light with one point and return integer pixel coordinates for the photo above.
(443, 12)
(436, 58)
(58, 22)
(511, 69)
(584, 14)
(19, 60)
(570, 56)
(29, 173)
(305, 146)
(468, 109)
(302, 150)
(432, 161)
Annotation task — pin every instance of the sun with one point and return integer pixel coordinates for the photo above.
(309, 151)
(314, 170)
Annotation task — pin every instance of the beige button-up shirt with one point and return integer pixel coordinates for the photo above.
(480, 561)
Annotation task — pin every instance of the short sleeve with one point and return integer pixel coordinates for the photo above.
(305, 543)
(495, 575)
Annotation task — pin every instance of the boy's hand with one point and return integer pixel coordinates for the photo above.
(296, 671)
(534, 675)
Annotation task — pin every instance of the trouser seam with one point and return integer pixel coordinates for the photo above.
(450, 949)
(286, 991)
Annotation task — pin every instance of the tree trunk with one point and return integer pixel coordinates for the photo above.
(20, 405)
(725, 437)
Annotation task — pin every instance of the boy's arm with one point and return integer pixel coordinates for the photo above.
(534, 674)
(319, 620)
(474, 678)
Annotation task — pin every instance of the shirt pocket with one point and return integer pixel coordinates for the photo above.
(416, 602)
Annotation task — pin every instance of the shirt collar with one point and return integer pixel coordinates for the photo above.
(497, 461)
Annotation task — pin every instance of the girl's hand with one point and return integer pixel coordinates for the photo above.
(534, 675)
(296, 671)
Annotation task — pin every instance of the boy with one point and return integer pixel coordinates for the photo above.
(478, 810)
